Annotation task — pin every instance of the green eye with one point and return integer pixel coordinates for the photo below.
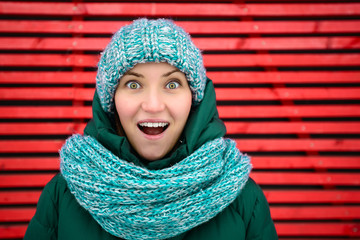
(173, 85)
(133, 85)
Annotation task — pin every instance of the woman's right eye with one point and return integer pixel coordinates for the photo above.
(133, 85)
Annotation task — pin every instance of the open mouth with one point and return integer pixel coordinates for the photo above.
(153, 128)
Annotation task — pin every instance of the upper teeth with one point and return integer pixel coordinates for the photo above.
(153, 124)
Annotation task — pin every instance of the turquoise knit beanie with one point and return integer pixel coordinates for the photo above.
(149, 41)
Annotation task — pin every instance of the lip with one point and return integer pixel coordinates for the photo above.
(153, 137)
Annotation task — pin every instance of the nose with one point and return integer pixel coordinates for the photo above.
(153, 102)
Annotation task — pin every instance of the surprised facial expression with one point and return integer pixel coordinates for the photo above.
(153, 101)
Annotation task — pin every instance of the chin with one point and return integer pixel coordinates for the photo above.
(152, 158)
(154, 154)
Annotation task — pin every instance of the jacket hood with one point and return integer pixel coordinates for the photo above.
(203, 125)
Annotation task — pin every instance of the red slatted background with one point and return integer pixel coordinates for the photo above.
(287, 76)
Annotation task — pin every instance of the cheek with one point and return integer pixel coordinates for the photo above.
(181, 107)
(124, 108)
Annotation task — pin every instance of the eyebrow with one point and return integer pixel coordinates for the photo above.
(171, 72)
(141, 76)
(134, 74)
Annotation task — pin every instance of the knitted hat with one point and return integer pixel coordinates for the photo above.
(149, 41)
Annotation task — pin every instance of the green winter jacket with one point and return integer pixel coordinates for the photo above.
(59, 215)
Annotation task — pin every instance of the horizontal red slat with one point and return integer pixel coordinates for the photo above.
(193, 27)
(307, 213)
(305, 162)
(25, 180)
(45, 93)
(318, 229)
(48, 128)
(217, 77)
(33, 164)
(19, 197)
(73, 77)
(262, 178)
(23, 214)
(223, 94)
(12, 231)
(282, 77)
(176, 9)
(272, 43)
(305, 178)
(45, 112)
(312, 196)
(30, 146)
(97, 44)
(49, 60)
(331, 145)
(210, 60)
(67, 44)
(245, 145)
(316, 93)
(290, 127)
(312, 238)
(288, 111)
(281, 60)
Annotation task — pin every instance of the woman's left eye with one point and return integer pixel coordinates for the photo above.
(172, 85)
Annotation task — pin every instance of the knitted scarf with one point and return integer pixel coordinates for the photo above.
(132, 202)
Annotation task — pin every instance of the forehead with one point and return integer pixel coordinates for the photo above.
(152, 67)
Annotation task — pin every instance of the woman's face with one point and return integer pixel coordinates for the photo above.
(153, 101)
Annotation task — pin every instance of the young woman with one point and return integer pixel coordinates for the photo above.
(152, 163)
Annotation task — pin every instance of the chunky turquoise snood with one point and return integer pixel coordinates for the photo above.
(132, 202)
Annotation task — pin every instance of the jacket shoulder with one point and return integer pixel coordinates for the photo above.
(252, 205)
(55, 189)
(248, 196)
(45, 221)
